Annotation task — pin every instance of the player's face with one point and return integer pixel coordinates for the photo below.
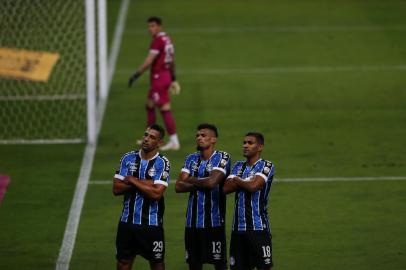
(251, 147)
(154, 28)
(205, 138)
(151, 140)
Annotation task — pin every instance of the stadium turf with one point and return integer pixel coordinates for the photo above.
(323, 80)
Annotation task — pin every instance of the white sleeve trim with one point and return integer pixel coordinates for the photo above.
(160, 182)
(185, 170)
(118, 176)
(153, 51)
(263, 176)
(231, 176)
(219, 169)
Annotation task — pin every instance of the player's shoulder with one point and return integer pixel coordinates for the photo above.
(239, 163)
(223, 154)
(129, 155)
(267, 163)
(162, 37)
(194, 155)
(267, 168)
(163, 158)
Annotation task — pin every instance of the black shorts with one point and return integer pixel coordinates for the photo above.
(206, 246)
(147, 241)
(251, 249)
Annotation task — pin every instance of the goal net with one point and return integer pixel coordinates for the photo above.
(42, 71)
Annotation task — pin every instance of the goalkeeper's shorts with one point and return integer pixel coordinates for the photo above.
(158, 92)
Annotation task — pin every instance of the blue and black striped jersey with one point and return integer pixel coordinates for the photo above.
(206, 207)
(138, 209)
(250, 213)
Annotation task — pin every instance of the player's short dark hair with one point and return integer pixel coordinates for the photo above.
(154, 19)
(159, 129)
(258, 136)
(208, 126)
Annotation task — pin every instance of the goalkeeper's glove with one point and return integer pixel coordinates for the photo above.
(133, 78)
(174, 88)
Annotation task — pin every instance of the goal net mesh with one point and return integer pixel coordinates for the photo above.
(52, 109)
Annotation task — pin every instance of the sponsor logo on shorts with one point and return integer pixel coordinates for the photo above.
(232, 260)
(217, 256)
(158, 255)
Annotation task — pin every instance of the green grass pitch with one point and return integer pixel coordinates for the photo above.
(325, 81)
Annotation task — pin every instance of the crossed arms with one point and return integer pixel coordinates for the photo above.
(187, 183)
(147, 187)
(234, 183)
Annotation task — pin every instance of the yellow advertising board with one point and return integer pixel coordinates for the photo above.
(27, 65)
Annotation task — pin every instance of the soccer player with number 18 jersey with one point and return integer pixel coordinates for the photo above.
(251, 181)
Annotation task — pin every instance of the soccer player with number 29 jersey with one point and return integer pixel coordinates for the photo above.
(162, 77)
(251, 181)
(203, 176)
(142, 177)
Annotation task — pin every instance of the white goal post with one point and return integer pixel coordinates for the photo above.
(49, 73)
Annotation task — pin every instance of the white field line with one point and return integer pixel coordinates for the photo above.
(50, 141)
(341, 179)
(42, 97)
(276, 70)
(72, 224)
(305, 179)
(277, 29)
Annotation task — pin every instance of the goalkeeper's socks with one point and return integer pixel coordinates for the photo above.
(169, 122)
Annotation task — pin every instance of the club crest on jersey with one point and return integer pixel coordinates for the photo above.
(152, 172)
(209, 167)
(193, 166)
(239, 172)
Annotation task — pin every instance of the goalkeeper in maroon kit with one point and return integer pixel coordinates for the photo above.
(162, 78)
